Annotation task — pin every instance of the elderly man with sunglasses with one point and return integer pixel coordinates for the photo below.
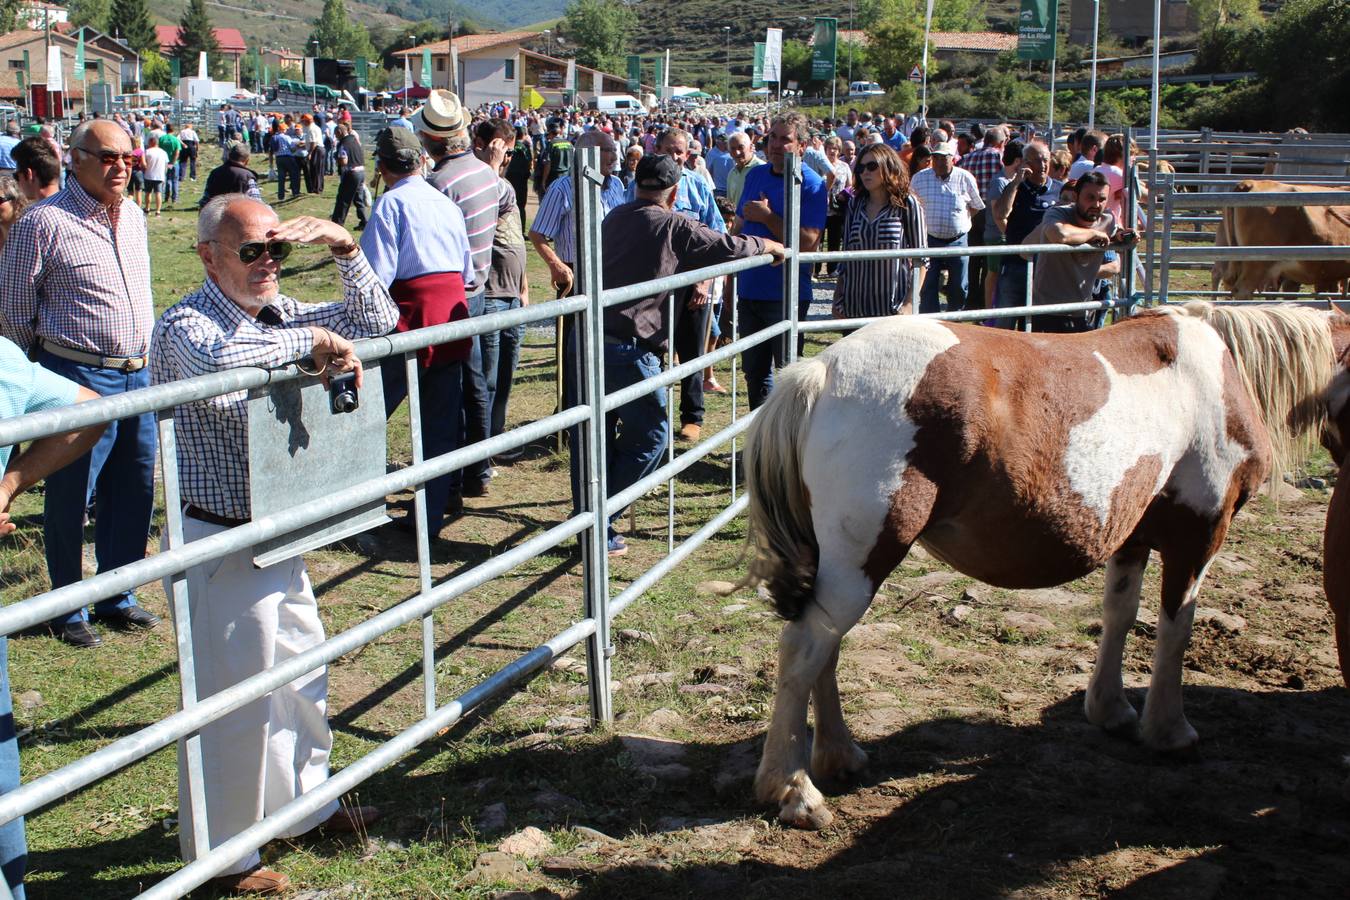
(76, 297)
(245, 619)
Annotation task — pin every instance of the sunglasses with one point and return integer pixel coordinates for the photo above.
(252, 251)
(869, 166)
(110, 157)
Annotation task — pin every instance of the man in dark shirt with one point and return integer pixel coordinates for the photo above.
(643, 240)
(351, 161)
(232, 176)
(1019, 211)
(557, 159)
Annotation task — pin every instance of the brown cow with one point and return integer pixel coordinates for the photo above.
(1272, 226)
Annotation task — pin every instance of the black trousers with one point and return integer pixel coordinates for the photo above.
(978, 271)
(691, 324)
(314, 171)
(521, 184)
(349, 192)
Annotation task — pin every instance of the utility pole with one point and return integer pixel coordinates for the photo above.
(452, 77)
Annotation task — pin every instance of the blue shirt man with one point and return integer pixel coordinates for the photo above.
(720, 165)
(693, 198)
(760, 214)
(8, 141)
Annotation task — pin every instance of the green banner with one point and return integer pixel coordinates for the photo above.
(826, 44)
(79, 57)
(660, 74)
(426, 67)
(22, 90)
(175, 68)
(1036, 26)
(757, 76)
(634, 74)
(362, 71)
(100, 72)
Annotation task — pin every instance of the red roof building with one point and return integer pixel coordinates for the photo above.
(231, 42)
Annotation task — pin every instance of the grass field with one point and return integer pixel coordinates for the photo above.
(985, 780)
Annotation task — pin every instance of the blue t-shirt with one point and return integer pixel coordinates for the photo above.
(766, 282)
(27, 387)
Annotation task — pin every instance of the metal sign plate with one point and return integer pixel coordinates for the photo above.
(299, 450)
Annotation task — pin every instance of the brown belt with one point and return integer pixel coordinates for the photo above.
(196, 512)
(120, 363)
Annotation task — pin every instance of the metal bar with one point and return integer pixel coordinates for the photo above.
(1225, 199)
(1261, 253)
(123, 752)
(1131, 170)
(47, 606)
(615, 296)
(670, 419)
(595, 561)
(816, 256)
(1164, 273)
(412, 372)
(792, 238)
(351, 776)
(558, 375)
(1031, 280)
(972, 315)
(180, 604)
(735, 332)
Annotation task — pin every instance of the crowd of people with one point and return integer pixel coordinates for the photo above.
(444, 236)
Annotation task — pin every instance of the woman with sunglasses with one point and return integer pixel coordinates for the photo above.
(883, 215)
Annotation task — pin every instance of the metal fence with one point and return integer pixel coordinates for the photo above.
(599, 604)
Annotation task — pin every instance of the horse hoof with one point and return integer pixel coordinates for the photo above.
(1116, 716)
(801, 805)
(1178, 740)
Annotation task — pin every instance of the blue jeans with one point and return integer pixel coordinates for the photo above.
(13, 847)
(477, 403)
(121, 467)
(500, 369)
(758, 362)
(288, 167)
(171, 183)
(439, 392)
(957, 269)
(635, 433)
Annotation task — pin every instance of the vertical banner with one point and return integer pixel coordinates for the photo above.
(824, 46)
(255, 60)
(660, 78)
(426, 67)
(101, 79)
(757, 75)
(634, 74)
(267, 75)
(79, 57)
(773, 55)
(452, 77)
(175, 70)
(1036, 26)
(203, 72)
(362, 71)
(55, 80)
(570, 79)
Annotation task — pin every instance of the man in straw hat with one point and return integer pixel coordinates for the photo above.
(442, 124)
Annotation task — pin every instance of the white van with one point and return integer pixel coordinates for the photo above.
(861, 90)
(616, 103)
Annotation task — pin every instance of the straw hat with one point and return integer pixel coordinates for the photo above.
(441, 116)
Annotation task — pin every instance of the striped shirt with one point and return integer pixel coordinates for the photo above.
(555, 220)
(207, 332)
(467, 180)
(77, 273)
(985, 165)
(947, 202)
(877, 287)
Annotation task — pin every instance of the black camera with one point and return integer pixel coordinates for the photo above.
(342, 395)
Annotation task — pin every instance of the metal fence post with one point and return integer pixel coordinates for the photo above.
(792, 237)
(730, 297)
(1150, 262)
(595, 560)
(1031, 279)
(1165, 259)
(1131, 208)
(182, 621)
(423, 536)
(670, 420)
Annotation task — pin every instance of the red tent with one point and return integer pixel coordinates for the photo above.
(416, 92)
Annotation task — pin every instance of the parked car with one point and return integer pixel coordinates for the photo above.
(861, 90)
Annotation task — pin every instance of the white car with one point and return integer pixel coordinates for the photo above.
(861, 90)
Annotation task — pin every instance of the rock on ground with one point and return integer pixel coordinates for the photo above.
(528, 843)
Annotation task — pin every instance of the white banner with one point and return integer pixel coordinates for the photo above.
(570, 82)
(201, 66)
(55, 80)
(773, 55)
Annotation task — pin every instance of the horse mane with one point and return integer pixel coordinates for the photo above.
(1285, 358)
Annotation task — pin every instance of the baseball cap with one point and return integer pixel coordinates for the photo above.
(946, 148)
(655, 173)
(398, 144)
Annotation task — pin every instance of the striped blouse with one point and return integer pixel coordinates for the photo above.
(877, 287)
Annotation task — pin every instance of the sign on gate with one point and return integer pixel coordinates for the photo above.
(1036, 25)
(824, 42)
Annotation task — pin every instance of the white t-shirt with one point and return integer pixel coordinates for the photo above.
(156, 164)
(1081, 166)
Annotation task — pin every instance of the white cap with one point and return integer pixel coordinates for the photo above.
(947, 148)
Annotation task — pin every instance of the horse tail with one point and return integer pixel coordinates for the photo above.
(782, 538)
(1285, 358)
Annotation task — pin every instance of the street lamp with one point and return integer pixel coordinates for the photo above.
(407, 67)
(726, 31)
(313, 74)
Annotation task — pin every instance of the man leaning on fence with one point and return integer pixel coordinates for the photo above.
(27, 387)
(76, 296)
(246, 620)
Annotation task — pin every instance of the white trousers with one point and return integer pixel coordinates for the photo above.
(244, 621)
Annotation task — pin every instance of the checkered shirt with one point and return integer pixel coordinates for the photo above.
(207, 332)
(556, 222)
(77, 273)
(985, 164)
(947, 202)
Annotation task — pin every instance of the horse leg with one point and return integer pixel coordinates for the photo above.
(807, 645)
(1164, 726)
(1105, 702)
(834, 755)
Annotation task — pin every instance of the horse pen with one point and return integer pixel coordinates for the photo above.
(507, 760)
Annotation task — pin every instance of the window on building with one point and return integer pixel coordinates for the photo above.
(510, 73)
(16, 64)
(91, 66)
(440, 65)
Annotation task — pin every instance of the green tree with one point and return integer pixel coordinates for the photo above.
(895, 46)
(948, 15)
(796, 63)
(9, 15)
(600, 30)
(93, 13)
(130, 20)
(338, 36)
(1212, 14)
(196, 35)
(1304, 65)
(155, 72)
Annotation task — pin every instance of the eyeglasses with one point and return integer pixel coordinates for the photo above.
(252, 251)
(869, 166)
(110, 157)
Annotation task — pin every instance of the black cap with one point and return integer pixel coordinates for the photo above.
(398, 144)
(656, 173)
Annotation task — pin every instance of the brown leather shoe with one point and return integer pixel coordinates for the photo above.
(690, 432)
(351, 819)
(259, 881)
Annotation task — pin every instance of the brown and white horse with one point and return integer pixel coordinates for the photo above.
(1024, 461)
(1336, 541)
